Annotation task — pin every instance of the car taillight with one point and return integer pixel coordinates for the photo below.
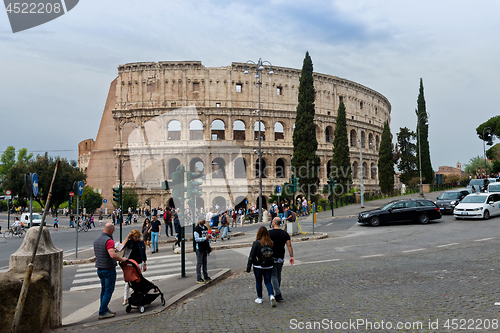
(436, 209)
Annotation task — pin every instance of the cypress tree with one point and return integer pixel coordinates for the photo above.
(341, 164)
(408, 164)
(385, 162)
(305, 160)
(427, 172)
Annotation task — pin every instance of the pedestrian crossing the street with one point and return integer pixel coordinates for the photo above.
(158, 268)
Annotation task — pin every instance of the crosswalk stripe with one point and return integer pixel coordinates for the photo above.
(150, 267)
(146, 274)
(121, 283)
(91, 267)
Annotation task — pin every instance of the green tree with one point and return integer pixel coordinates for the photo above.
(494, 125)
(305, 160)
(7, 160)
(93, 199)
(44, 167)
(408, 160)
(476, 165)
(130, 199)
(385, 162)
(341, 170)
(23, 156)
(423, 136)
(494, 152)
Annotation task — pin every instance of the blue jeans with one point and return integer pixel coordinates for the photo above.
(267, 274)
(282, 216)
(154, 240)
(108, 279)
(224, 232)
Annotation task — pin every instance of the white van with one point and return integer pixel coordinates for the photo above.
(25, 219)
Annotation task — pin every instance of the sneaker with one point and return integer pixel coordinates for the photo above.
(112, 312)
(200, 281)
(279, 298)
(258, 300)
(107, 315)
(207, 279)
(228, 238)
(273, 301)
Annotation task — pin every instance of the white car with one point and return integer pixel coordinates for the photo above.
(478, 205)
(494, 187)
(25, 219)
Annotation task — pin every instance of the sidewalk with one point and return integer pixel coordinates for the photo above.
(80, 306)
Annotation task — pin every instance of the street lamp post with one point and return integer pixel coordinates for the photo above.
(419, 150)
(362, 186)
(258, 75)
(484, 149)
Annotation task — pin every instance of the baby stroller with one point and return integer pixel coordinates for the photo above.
(140, 286)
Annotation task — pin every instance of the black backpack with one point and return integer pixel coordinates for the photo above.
(266, 256)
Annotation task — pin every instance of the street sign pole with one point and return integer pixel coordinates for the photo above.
(77, 222)
(8, 214)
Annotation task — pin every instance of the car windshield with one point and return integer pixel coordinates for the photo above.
(477, 182)
(494, 188)
(448, 196)
(475, 199)
(37, 217)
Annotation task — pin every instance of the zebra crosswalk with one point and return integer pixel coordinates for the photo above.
(158, 268)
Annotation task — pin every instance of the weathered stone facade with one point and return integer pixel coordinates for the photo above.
(189, 103)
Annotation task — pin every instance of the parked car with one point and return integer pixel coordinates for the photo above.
(25, 219)
(494, 187)
(481, 185)
(478, 205)
(419, 210)
(449, 199)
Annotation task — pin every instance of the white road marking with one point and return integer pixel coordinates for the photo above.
(415, 250)
(310, 262)
(121, 283)
(150, 269)
(373, 255)
(497, 303)
(445, 245)
(484, 239)
(329, 224)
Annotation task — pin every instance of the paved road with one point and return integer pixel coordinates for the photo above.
(426, 278)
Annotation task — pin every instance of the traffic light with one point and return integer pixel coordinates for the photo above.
(178, 183)
(117, 194)
(193, 187)
(288, 188)
(295, 184)
(148, 202)
(164, 185)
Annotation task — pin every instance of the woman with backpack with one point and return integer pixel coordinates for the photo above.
(261, 257)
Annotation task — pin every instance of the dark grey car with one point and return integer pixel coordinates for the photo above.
(449, 199)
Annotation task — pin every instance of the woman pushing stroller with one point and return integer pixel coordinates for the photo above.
(135, 249)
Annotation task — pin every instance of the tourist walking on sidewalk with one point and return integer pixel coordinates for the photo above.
(155, 231)
(280, 238)
(105, 261)
(135, 249)
(225, 226)
(202, 244)
(261, 257)
(146, 234)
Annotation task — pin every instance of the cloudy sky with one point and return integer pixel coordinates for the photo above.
(55, 77)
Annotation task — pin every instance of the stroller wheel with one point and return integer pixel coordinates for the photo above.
(141, 309)
(128, 308)
(162, 301)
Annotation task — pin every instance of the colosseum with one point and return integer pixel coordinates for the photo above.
(161, 115)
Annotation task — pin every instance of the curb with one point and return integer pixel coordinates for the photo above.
(190, 292)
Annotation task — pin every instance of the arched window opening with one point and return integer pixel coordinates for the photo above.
(196, 130)
(278, 132)
(174, 130)
(262, 131)
(239, 130)
(355, 167)
(280, 168)
(218, 130)
(260, 168)
(353, 138)
(240, 168)
(218, 168)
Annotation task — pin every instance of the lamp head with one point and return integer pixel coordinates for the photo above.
(246, 70)
(271, 72)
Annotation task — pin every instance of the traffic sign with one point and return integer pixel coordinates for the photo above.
(34, 181)
(278, 189)
(246, 202)
(105, 200)
(8, 197)
(8, 192)
(80, 188)
(71, 194)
